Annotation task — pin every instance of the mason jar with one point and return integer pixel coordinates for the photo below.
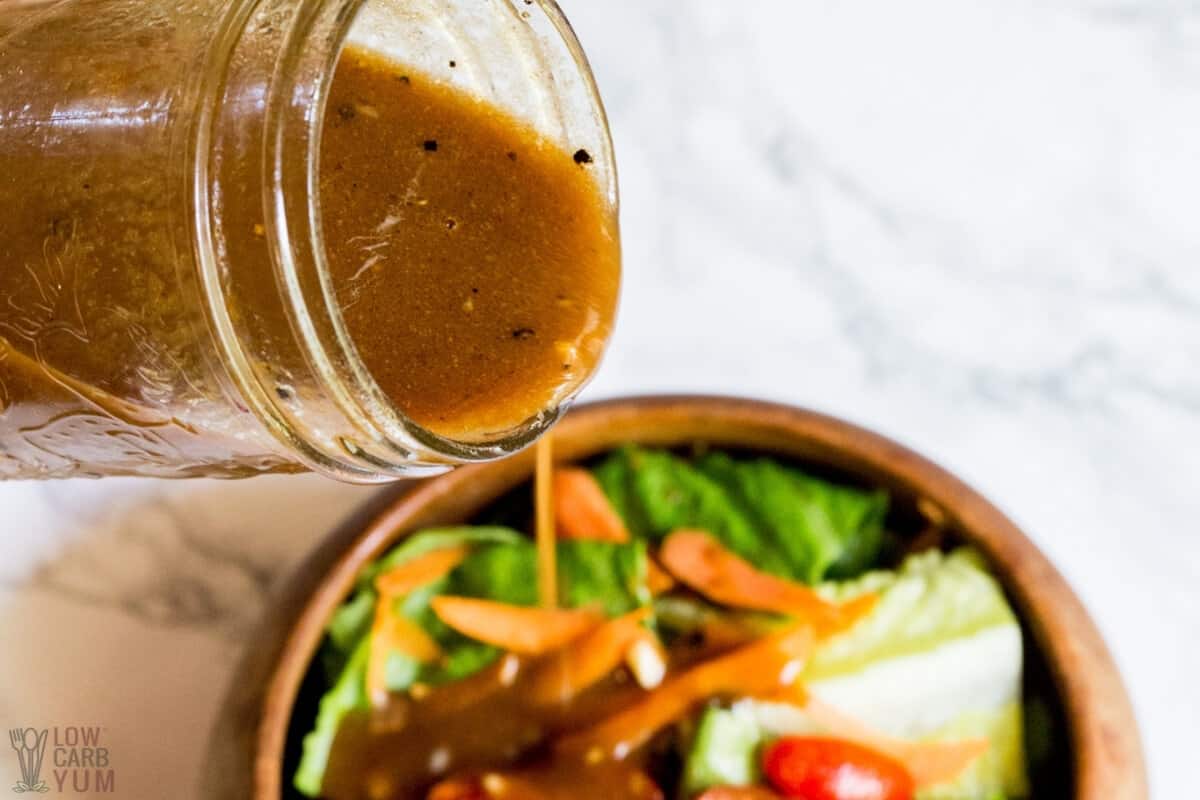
(143, 331)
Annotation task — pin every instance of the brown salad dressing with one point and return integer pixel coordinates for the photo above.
(498, 734)
(482, 725)
(476, 262)
(500, 726)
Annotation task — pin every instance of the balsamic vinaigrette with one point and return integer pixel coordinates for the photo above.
(476, 262)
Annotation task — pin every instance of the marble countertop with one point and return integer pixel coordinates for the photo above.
(970, 226)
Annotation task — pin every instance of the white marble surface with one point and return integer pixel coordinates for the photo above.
(970, 225)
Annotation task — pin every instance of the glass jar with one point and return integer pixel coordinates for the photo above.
(141, 330)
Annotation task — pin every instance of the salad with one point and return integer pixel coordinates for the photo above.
(698, 626)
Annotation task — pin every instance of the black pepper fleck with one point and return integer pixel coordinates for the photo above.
(512, 156)
(583, 157)
(453, 63)
(451, 224)
(431, 145)
(403, 79)
(523, 333)
(346, 111)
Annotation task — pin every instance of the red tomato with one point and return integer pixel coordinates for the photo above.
(813, 768)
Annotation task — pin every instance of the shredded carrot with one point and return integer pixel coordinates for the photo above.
(855, 609)
(797, 694)
(658, 580)
(699, 560)
(529, 631)
(413, 574)
(929, 763)
(582, 510)
(391, 633)
(761, 667)
(543, 481)
(588, 659)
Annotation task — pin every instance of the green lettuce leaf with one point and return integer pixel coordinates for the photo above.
(348, 694)
(427, 541)
(724, 752)
(605, 575)
(352, 620)
(602, 575)
(933, 598)
(939, 658)
(823, 530)
(779, 518)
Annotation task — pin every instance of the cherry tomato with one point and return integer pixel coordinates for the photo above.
(814, 768)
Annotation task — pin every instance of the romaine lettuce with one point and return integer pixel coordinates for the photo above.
(933, 598)
(724, 752)
(348, 694)
(939, 658)
(778, 518)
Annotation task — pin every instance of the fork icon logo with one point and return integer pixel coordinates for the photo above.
(30, 745)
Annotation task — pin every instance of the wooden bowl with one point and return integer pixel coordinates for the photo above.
(1103, 752)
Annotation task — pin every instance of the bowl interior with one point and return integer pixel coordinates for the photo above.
(1062, 683)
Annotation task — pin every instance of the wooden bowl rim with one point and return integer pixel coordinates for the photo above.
(1105, 742)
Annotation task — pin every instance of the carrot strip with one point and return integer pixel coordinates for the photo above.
(658, 580)
(588, 659)
(529, 631)
(583, 511)
(929, 763)
(699, 560)
(760, 667)
(391, 633)
(411, 575)
(394, 634)
(543, 490)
